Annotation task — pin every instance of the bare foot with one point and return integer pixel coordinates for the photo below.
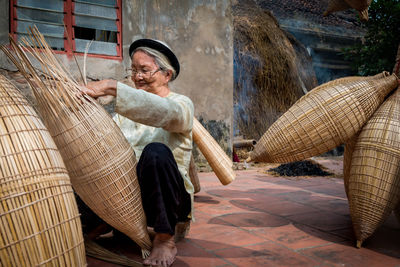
(163, 252)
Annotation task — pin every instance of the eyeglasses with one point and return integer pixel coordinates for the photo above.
(143, 73)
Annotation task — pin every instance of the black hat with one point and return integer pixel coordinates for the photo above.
(160, 47)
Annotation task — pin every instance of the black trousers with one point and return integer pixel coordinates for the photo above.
(165, 199)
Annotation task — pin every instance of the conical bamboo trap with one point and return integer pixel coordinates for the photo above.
(339, 5)
(349, 146)
(215, 156)
(99, 159)
(194, 178)
(361, 6)
(39, 218)
(374, 179)
(335, 6)
(348, 151)
(322, 119)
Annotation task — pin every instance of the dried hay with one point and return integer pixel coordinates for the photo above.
(39, 218)
(270, 72)
(374, 179)
(99, 159)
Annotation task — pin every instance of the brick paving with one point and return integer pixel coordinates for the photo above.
(263, 220)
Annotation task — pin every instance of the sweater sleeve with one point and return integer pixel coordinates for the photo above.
(173, 113)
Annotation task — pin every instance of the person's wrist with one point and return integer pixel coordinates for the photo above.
(111, 87)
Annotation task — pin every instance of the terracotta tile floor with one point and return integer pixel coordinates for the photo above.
(263, 220)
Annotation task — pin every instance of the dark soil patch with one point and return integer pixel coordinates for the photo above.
(300, 168)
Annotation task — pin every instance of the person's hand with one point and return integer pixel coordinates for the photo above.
(100, 88)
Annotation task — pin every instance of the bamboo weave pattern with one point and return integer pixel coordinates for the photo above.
(99, 159)
(374, 180)
(39, 218)
(322, 119)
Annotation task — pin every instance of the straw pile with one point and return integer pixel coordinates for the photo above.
(194, 178)
(215, 156)
(39, 219)
(271, 69)
(374, 179)
(339, 5)
(99, 159)
(324, 118)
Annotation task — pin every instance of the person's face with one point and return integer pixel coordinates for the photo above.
(146, 74)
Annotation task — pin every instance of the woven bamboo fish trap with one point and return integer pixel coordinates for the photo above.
(215, 156)
(349, 146)
(100, 161)
(39, 218)
(339, 5)
(348, 151)
(335, 6)
(194, 178)
(322, 119)
(374, 180)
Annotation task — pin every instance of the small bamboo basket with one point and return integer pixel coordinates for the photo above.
(99, 159)
(194, 178)
(215, 156)
(39, 218)
(322, 119)
(374, 180)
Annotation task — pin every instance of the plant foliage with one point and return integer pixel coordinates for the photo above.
(378, 51)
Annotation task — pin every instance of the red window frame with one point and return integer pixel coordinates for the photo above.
(69, 35)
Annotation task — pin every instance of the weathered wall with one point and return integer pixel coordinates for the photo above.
(200, 33)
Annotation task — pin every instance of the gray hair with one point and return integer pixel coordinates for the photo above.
(161, 60)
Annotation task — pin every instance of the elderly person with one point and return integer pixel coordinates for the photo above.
(158, 124)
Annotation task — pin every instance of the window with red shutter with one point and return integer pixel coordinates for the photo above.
(69, 25)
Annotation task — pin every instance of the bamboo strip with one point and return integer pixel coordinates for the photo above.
(100, 161)
(96, 251)
(39, 219)
(216, 157)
